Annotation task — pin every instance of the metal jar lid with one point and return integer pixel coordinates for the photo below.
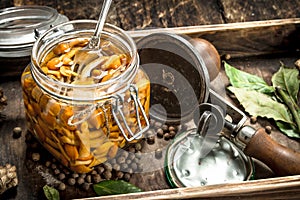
(18, 25)
(178, 76)
(188, 164)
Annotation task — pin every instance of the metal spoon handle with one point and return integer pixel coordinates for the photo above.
(94, 42)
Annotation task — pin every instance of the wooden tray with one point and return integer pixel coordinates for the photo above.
(256, 47)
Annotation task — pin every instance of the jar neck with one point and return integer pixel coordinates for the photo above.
(82, 93)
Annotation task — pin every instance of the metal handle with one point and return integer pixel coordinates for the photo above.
(121, 120)
(94, 41)
(118, 115)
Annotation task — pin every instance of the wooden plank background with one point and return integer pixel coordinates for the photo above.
(141, 14)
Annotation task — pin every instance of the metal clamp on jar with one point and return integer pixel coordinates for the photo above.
(84, 117)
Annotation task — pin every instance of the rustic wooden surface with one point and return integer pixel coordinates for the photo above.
(142, 14)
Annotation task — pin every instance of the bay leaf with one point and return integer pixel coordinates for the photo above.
(259, 104)
(287, 79)
(113, 187)
(241, 79)
(51, 193)
(288, 129)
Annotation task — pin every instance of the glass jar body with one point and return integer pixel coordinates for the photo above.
(82, 125)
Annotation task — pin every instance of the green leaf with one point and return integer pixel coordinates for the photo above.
(287, 79)
(240, 79)
(258, 104)
(112, 187)
(51, 193)
(288, 129)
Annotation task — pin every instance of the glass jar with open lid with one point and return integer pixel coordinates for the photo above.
(18, 29)
(84, 118)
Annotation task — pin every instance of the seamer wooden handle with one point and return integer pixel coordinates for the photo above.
(282, 160)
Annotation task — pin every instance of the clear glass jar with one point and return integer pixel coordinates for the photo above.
(85, 122)
(18, 29)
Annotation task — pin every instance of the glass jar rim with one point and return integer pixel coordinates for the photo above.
(127, 75)
(18, 25)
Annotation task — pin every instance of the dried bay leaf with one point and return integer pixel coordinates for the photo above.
(113, 187)
(51, 193)
(259, 104)
(288, 129)
(287, 79)
(241, 79)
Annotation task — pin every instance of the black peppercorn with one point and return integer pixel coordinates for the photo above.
(158, 153)
(160, 133)
(151, 139)
(88, 178)
(116, 167)
(95, 172)
(127, 177)
(100, 170)
(48, 163)
(96, 178)
(120, 175)
(165, 128)
(53, 166)
(131, 156)
(75, 175)
(157, 124)
(71, 181)
(124, 166)
(131, 150)
(138, 146)
(56, 171)
(167, 136)
(107, 175)
(35, 157)
(86, 186)
(80, 180)
(253, 119)
(268, 129)
(152, 122)
(61, 176)
(121, 160)
(172, 128)
(17, 132)
(172, 134)
(108, 166)
(133, 166)
(128, 161)
(61, 186)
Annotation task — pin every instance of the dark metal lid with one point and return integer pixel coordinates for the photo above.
(17, 25)
(179, 78)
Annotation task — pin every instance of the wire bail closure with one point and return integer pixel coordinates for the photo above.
(118, 115)
(117, 111)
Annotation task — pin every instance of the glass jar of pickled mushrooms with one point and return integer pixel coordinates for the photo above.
(84, 112)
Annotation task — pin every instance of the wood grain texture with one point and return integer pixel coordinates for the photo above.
(242, 11)
(141, 14)
(272, 189)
